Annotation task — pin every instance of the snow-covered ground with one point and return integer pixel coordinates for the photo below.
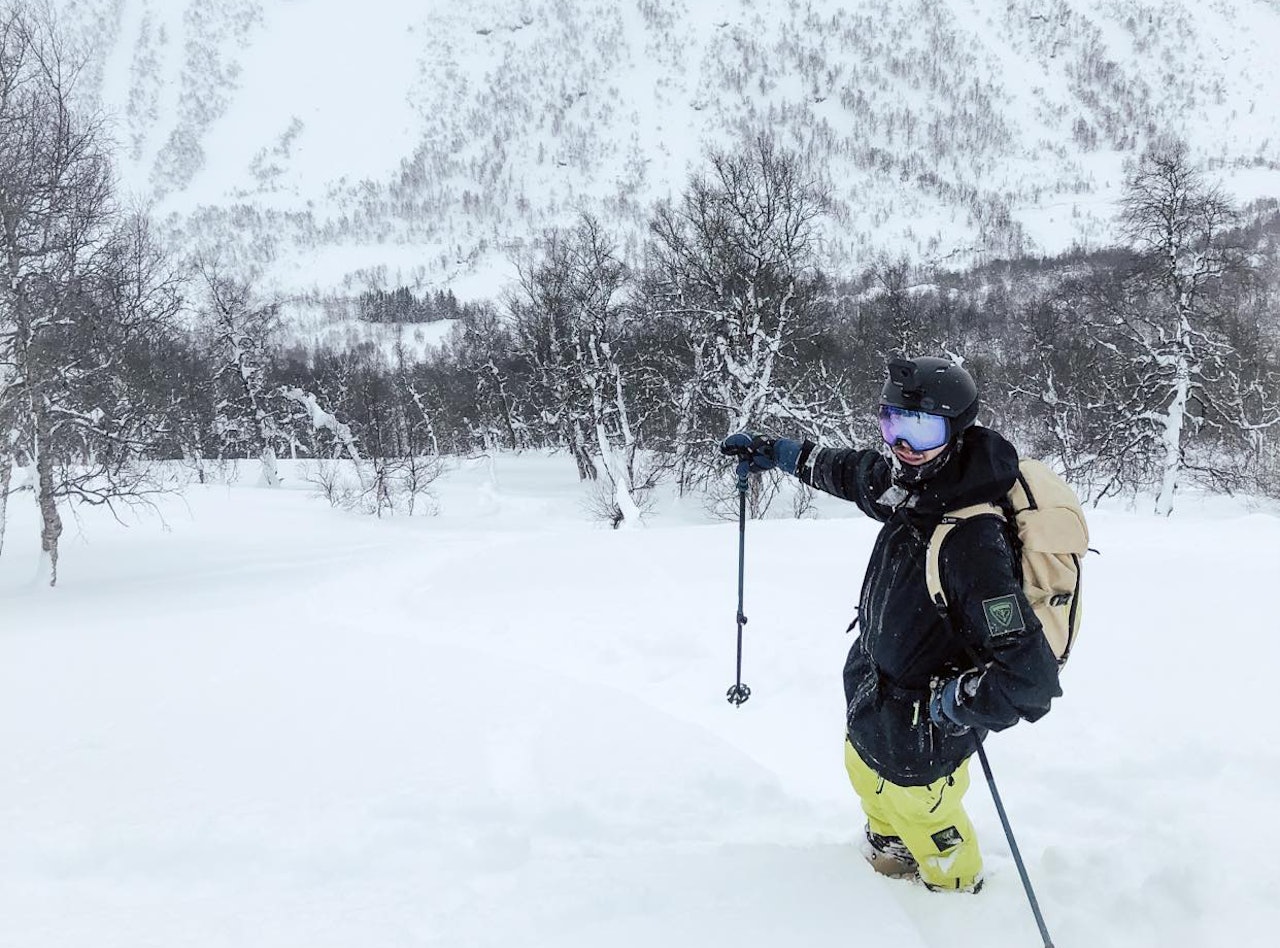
(262, 723)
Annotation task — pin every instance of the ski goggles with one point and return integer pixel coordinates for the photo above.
(920, 430)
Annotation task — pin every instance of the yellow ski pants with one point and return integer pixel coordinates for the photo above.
(930, 820)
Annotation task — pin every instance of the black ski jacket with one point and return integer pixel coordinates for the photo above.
(903, 642)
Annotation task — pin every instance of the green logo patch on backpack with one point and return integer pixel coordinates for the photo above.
(1003, 615)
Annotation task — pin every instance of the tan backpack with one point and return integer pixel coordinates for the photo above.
(1051, 538)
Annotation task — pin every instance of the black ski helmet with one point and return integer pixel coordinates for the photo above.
(932, 385)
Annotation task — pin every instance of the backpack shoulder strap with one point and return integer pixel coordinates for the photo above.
(933, 552)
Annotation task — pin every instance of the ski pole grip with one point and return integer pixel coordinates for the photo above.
(744, 471)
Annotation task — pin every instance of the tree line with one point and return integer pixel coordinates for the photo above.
(402, 305)
(1149, 366)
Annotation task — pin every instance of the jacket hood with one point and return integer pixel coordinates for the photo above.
(984, 469)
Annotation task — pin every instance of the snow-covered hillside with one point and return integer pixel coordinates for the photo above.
(262, 723)
(393, 142)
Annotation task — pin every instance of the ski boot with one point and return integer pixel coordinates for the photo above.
(889, 856)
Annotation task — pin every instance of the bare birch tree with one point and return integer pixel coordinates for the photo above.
(571, 319)
(735, 257)
(250, 412)
(1180, 225)
(80, 281)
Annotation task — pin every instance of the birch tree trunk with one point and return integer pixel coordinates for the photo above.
(616, 470)
(46, 500)
(6, 478)
(1171, 435)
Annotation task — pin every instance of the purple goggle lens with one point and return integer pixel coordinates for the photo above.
(919, 429)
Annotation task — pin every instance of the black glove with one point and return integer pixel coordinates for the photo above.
(761, 453)
(942, 708)
(755, 449)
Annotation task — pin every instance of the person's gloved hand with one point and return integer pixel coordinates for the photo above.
(756, 450)
(942, 708)
(761, 453)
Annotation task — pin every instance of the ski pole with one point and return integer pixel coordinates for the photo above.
(1008, 832)
(739, 693)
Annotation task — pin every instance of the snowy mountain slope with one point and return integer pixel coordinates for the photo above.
(266, 724)
(431, 141)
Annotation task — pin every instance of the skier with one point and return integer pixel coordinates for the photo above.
(921, 685)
